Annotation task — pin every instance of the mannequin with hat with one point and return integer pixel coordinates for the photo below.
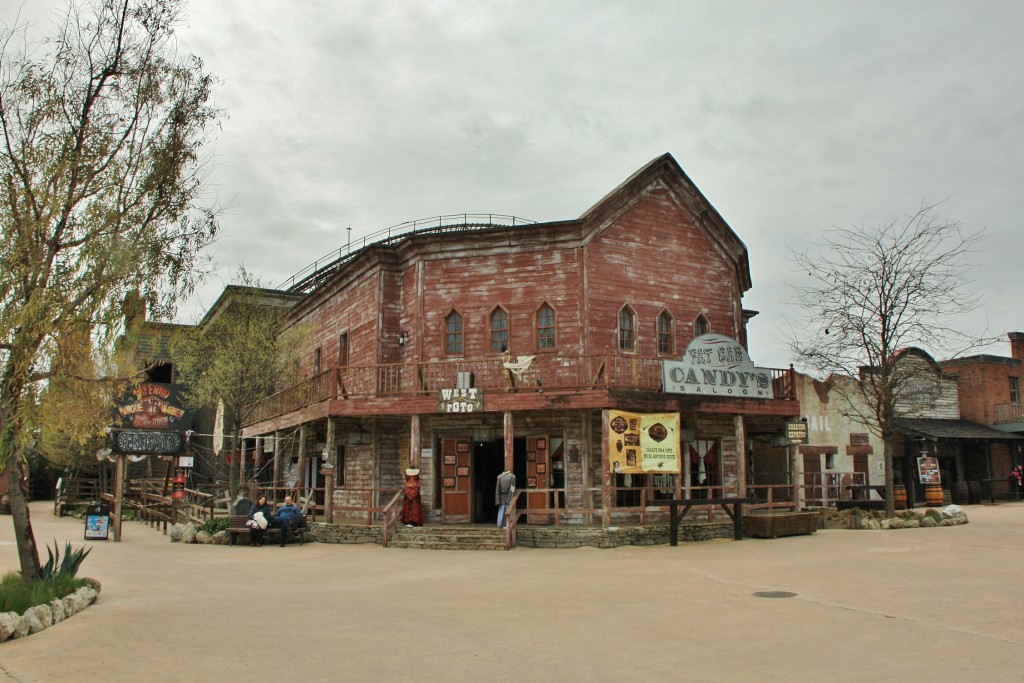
(412, 508)
(503, 490)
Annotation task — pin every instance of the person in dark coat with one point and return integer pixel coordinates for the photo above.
(257, 529)
(288, 518)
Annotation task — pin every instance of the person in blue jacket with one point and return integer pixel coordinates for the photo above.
(288, 518)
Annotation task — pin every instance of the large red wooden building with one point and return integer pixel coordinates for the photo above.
(471, 346)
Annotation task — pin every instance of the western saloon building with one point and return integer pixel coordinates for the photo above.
(471, 346)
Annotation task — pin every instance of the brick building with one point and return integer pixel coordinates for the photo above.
(467, 347)
(990, 394)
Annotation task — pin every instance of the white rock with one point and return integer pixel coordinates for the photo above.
(30, 623)
(175, 532)
(8, 625)
(204, 537)
(188, 534)
(57, 610)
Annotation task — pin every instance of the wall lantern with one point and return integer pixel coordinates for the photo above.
(402, 338)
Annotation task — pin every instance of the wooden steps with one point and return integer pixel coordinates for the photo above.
(448, 538)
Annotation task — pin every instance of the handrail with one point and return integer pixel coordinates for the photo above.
(312, 275)
(511, 519)
(390, 518)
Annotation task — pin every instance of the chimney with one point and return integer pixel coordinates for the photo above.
(1016, 345)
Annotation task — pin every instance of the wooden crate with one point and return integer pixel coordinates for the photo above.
(775, 524)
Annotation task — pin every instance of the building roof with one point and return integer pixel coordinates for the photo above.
(952, 429)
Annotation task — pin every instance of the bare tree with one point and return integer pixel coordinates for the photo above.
(874, 291)
(101, 128)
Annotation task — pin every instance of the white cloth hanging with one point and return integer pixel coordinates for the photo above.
(520, 365)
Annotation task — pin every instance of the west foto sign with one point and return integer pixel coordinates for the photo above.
(718, 366)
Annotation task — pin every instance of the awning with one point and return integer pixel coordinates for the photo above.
(952, 429)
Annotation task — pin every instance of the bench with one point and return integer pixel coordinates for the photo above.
(236, 525)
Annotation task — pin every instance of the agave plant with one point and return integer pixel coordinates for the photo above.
(68, 566)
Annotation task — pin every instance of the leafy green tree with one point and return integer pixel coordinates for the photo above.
(101, 129)
(874, 291)
(239, 354)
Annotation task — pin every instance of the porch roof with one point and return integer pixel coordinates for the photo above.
(952, 429)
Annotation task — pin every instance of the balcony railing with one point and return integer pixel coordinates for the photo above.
(546, 373)
(1007, 413)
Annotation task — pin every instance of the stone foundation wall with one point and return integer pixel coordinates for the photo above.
(344, 533)
(596, 537)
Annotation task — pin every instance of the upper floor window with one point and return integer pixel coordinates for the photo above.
(665, 345)
(343, 350)
(1014, 390)
(316, 361)
(701, 326)
(453, 334)
(627, 329)
(545, 327)
(499, 330)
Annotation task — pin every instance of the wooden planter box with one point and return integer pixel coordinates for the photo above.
(775, 524)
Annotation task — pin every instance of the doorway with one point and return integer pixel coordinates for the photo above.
(488, 463)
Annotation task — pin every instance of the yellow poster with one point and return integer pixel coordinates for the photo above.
(639, 443)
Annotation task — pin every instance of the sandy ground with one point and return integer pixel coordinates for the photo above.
(910, 605)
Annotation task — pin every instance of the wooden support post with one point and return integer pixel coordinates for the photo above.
(277, 465)
(329, 465)
(414, 442)
(606, 473)
(740, 428)
(115, 517)
(509, 445)
(300, 477)
(794, 475)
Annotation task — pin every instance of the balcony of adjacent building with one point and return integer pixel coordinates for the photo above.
(1009, 417)
(546, 380)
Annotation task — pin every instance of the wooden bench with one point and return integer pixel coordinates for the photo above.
(236, 525)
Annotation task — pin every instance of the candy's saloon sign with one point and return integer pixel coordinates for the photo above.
(717, 366)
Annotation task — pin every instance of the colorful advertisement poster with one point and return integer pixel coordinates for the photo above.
(639, 443)
(928, 469)
(152, 405)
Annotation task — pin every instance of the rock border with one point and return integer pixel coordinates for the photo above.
(35, 619)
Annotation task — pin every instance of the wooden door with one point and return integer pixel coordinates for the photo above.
(456, 484)
(538, 466)
(812, 479)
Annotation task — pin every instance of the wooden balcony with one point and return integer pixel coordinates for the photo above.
(547, 373)
(1009, 413)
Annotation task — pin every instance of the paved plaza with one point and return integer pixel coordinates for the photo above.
(931, 605)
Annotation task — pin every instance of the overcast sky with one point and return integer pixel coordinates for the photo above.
(791, 117)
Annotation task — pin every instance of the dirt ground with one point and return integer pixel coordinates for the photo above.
(911, 605)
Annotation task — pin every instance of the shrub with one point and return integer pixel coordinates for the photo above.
(215, 524)
(68, 567)
(18, 595)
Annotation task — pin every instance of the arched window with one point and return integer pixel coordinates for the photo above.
(453, 334)
(545, 327)
(499, 330)
(627, 329)
(666, 340)
(701, 326)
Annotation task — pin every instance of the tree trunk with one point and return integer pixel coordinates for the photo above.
(890, 503)
(28, 552)
(232, 480)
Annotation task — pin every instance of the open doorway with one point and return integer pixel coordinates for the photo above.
(488, 463)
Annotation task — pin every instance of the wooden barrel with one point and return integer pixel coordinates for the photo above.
(899, 496)
(933, 495)
(960, 494)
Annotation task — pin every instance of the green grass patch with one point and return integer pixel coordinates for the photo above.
(215, 524)
(18, 595)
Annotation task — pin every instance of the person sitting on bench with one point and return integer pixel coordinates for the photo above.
(287, 518)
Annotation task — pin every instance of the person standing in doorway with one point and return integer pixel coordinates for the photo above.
(412, 506)
(503, 490)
